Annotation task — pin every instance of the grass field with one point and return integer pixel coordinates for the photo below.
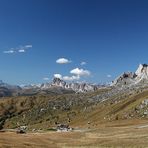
(126, 134)
(115, 123)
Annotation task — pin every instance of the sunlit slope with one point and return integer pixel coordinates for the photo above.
(78, 110)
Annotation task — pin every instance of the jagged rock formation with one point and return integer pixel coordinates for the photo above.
(142, 72)
(130, 78)
(125, 79)
(77, 87)
(60, 86)
(58, 83)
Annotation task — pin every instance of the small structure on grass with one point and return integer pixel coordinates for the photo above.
(63, 128)
(21, 130)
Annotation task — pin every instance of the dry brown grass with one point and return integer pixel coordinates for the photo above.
(103, 130)
(112, 134)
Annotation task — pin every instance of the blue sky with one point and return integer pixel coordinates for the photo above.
(111, 36)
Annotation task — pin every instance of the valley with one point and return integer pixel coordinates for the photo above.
(73, 74)
(114, 115)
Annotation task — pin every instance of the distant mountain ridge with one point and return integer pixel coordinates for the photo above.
(8, 90)
(59, 86)
(73, 86)
(2, 84)
(77, 87)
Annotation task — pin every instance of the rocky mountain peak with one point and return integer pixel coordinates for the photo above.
(141, 75)
(142, 70)
(77, 87)
(58, 82)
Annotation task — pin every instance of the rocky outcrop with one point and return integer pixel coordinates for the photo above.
(77, 87)
(130, 78)
(59, 86)
(125, 79)
(142, 72)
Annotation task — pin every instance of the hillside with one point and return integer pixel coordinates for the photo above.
(104, 117)
(78, 110)
(43, 108)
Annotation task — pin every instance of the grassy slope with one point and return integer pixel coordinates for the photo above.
(27, 110)
(104, 124)
(108, 111)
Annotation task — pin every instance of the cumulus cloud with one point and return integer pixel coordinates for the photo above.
(63, 61)
(20, 49)
(109, 76)
(58, 76)
(80, 72)
(67, 78)
(76, 75)
(83, 63)
(71, 78)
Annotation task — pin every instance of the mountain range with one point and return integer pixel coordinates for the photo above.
(56, 86)
(59, 86)
(78, 104)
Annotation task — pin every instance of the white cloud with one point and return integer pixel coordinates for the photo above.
(28, 46)
(80, 72)
(67, 78)
(58, 76)
(71, 78)
(21, 50)
(76, 75)
(109, 76)
(45, 79)
(63, 61)
(83, 63)
(8, 51)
